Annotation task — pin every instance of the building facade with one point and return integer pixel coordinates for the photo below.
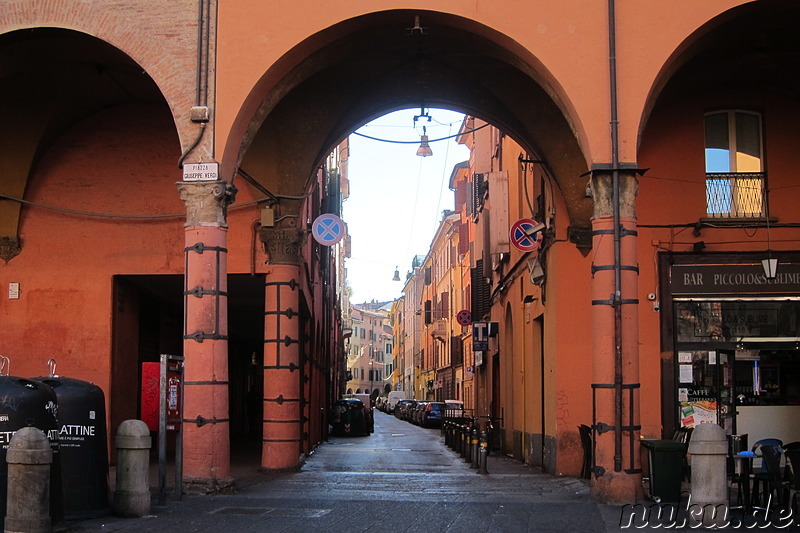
(369, 358)
(664, 145)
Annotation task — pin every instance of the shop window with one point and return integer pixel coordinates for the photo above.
(734, 165)
(733, 321)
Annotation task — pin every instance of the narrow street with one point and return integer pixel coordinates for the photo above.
(400, 479)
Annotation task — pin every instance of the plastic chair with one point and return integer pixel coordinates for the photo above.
(684, 435)
(776, 486)
(792, 474)
(761, 476)
(586, 442)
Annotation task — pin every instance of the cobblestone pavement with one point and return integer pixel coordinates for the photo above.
(400, 479)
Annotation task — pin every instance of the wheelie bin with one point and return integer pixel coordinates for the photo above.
(665, 461)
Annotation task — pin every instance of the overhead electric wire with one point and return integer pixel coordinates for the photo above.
(441, 186)
(417, 141)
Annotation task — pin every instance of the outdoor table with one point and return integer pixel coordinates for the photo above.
(745, 462)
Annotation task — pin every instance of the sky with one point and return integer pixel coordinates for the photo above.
(396, 197)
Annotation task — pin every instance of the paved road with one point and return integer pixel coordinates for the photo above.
(400, 479)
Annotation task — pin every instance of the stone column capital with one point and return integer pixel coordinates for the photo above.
(206, 202)
(10, 247)
(282, 244)
(602, 192)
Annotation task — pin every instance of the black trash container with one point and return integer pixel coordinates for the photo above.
(665, 461)
(84, 446)
(29, 403)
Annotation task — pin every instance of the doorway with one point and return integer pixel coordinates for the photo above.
(148, 321)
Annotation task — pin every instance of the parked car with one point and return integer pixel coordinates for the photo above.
(380, 403)
(431, 415)
(394, 397)
(349, 417)
(403, 407)
(416, 413)
(366, 399)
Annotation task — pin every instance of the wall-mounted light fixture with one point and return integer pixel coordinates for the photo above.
(770, 264)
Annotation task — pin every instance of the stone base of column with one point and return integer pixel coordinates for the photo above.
(617, 487)
(208, 486)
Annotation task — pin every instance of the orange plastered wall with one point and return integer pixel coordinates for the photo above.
(119, 161)
(568, 353)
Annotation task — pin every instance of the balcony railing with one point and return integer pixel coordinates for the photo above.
(735, 196)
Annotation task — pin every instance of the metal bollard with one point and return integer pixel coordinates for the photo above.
(468, 444)
(463, 439)
(484, 454)
(709, 449)
(475, 448)
(132, 494)
(28, 505)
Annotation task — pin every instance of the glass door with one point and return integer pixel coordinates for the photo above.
(705, 388)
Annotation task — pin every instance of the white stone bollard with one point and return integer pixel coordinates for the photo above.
(132, 493)
(29, 458)
(708, 448)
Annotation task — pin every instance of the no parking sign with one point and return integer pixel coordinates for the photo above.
(526, 235)
(327, 229)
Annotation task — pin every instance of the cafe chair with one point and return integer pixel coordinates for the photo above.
(792, 475)
(760, 476)
(791, 446)
(586, 442)
(776, 487)
(684, 435)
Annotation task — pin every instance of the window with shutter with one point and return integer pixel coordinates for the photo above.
(480, 189)
(456, 351)
(428, 318)
(463, 238)
(481, 293)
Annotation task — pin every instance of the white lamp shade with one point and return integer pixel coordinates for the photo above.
(770, 267)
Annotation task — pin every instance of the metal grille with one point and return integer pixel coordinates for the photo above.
(738, 195)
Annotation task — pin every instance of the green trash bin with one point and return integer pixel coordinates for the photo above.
(665, 459)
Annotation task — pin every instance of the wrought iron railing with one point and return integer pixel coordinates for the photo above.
(735, 195)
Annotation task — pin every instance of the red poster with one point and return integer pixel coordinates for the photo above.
(151, 375)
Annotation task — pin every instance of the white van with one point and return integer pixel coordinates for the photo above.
(394, 397)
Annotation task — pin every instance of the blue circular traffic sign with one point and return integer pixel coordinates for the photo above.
(327, 229)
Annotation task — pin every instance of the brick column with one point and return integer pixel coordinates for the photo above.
(206, 439)
(283, 373)
(617, 474)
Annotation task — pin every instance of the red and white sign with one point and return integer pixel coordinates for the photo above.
(525, 236)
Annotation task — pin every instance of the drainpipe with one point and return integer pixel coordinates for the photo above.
(617, 300)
